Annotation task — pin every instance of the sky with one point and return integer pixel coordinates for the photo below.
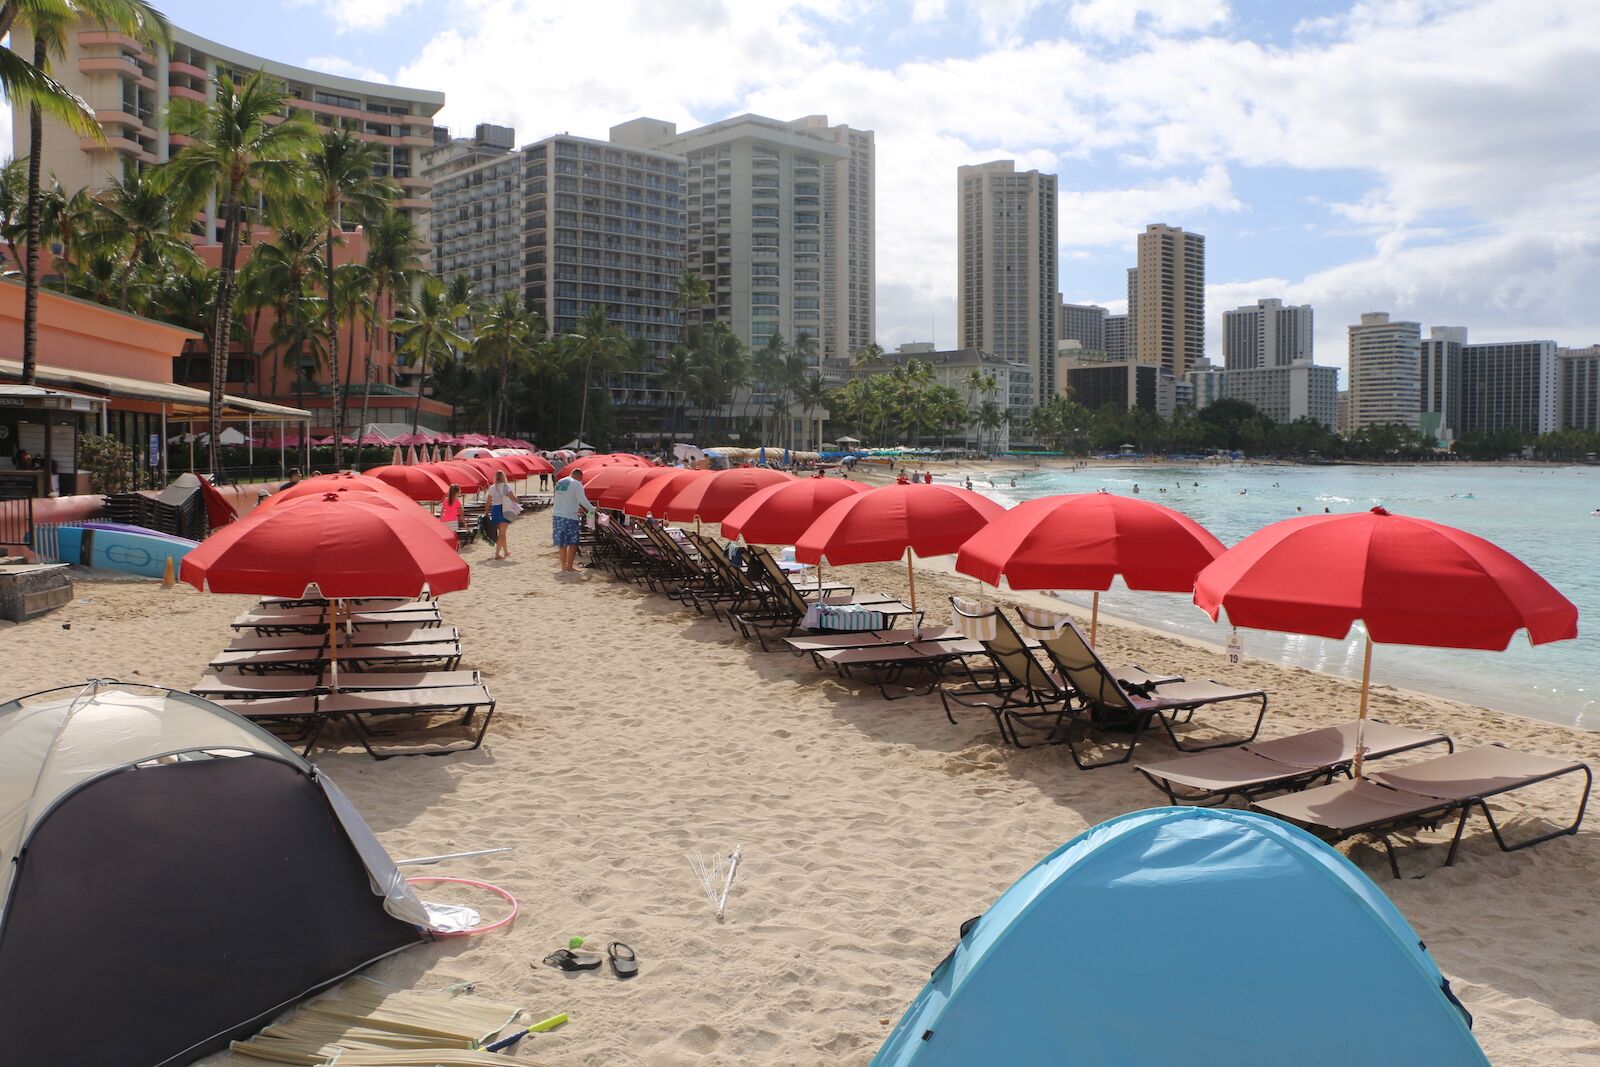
(1436, 159)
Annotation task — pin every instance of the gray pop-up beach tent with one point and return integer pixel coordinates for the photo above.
(173, 877)
(1187, 936)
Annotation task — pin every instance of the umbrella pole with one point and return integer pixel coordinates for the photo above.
(1094, 620)
(912, 575)
(1361, 718)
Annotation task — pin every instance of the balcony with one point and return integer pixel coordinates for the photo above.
(186, 93)
(91, 38)
(121, 145)
(177, 67)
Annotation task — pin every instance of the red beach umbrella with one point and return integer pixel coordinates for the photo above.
(587, 464)
(652, 497)
(610, 487)
(455, 472)
(780, 513)
(330, 483)
(896, 520)
(1083, 540)
(711, 499)
(414, 482)
(1409, 581)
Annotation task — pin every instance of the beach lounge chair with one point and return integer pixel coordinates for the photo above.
(305, 620)
(303, 719)
(786, 609)
(214, 684)
(886, 664)
(1021, 691)
(1283, 764)
(809, 646)
(442, 654)
(358, 637)
(1424, 795)
(1106, 702)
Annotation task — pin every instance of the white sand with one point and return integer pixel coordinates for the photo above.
(630, 731)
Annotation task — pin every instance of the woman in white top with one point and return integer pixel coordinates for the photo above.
(501, 495)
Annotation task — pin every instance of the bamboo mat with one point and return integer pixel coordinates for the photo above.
(364, 1024)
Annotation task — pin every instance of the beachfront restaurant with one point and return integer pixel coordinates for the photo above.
(101, 371)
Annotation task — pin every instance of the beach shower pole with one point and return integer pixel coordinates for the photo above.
(1361, 717)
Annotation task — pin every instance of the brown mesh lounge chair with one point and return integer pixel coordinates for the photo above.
(1282, 764)
(1424, 795)
(443, 654)
(304, 718)
(887, 664)
(214, 684)
(358, 637)
(1107, 701)
(307, 620)
(1021, 691)
(786, 609)
(810, 646)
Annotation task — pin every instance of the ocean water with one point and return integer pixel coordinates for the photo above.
(1540, 514)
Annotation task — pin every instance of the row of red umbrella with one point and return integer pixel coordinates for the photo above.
(1408, 580)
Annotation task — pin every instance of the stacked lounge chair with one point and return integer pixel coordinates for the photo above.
(394, 660)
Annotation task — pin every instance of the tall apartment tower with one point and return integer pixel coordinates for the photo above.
(602, 225)
(1133, 310)
(1119, 338)
(1168, 301)
(476, 221)
(1266, 334)
(1084, 323)
(1006, 290)
(1579, 387)
(1511, 385)
(128, 85)
(1440, 373)
(1385, 372)
(780, 224)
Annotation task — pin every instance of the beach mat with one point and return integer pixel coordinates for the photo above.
(365, 1024)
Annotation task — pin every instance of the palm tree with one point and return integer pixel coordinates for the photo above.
(596, 340)
(142, 218)
(812, 395)
(991, 417)
(501, 341)
(428, 334)
(238, 150)
(278, 275)
(394, 263)
(14, 205)
(867, 355)
(677, 377)
(48, 22)
(344, 181)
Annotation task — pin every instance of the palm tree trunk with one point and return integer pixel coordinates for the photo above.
(366, 401)
(583, 415)
(30, 299)
(422, 379)
(223, 328)
(336, 395)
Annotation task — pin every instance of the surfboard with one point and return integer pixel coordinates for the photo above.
(119, 550)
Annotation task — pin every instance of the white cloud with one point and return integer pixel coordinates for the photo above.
(346, 69)
(361, 15)
(1472, 115)
(1120, 18)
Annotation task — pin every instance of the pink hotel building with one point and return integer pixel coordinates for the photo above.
(129, 85)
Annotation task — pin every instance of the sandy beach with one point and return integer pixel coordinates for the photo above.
(631, 731)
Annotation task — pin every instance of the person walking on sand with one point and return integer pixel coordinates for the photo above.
(450, 513)
(502, 501)
(571, 503)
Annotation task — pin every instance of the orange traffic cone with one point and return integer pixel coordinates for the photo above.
(169, 578)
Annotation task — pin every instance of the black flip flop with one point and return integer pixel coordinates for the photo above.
(623, 962)
(567, 960)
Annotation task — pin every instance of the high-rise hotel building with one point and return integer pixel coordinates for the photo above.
(1007, 298)
(129, 86)
(1385, 372)
(1266, 334)
(780, 223)
(1167, 299)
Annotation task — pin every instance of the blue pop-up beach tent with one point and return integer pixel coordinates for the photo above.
(1187, 936)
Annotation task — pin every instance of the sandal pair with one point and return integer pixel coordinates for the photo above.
(624, 963)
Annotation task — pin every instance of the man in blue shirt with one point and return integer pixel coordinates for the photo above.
(571, 503)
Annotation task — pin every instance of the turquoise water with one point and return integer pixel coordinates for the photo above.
(1540, 514)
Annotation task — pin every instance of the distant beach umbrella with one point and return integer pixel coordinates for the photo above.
(780, 513)
(415, 482)
(610, 487)
(711, 499)
(652, 497)
(892, 521)
(1084, 540)
(1409, 581)
(330, 483)
(468, 477)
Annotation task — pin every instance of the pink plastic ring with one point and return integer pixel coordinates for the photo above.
(435, 880)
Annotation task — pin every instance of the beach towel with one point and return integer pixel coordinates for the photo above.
(844, 618)
(1042, 622)
(982, 627)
